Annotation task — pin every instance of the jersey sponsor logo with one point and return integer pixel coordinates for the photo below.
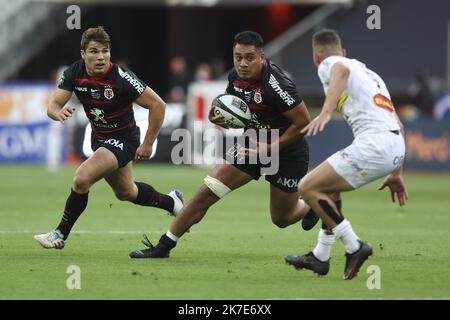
(105, 126)
(99, 115)
(108, 93)
(115, 143)
(83, 89)
(283, 94)
(135, 83)
(257, 97)
(383, 102)
(290, 183)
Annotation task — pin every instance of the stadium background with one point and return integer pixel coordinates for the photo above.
(154, 38)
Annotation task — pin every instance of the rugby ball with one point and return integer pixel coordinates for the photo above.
(229, 111)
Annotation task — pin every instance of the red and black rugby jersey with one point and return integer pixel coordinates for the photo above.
(107, 101)
(267, 98)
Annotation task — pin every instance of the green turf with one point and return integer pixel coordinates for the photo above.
(234, 253)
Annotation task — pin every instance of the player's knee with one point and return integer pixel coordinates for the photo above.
(280, 222)
(124, 195)
(205, 198)
(307, 188)
(303, 189)
(335, 196)
(81, 183)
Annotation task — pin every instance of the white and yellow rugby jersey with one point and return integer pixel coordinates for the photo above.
(366, 103)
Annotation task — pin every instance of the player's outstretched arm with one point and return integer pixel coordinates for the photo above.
(150, 100)
(57, 109)
(338, 82)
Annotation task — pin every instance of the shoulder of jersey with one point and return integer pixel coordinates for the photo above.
(76, 67)
(123, 72)
(275, 73)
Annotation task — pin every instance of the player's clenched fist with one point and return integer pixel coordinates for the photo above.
(143, 152)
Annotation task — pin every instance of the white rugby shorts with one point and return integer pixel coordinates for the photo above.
(369, 157)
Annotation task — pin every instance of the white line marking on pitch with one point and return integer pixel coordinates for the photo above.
(83, 231)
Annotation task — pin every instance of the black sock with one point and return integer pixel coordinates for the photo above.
(75, 205)
(338, 204)
(166, 243)
(148, 196)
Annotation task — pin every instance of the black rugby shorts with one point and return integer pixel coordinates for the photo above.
(293, 166)
(123, 146)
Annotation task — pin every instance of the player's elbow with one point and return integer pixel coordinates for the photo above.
(303, 123)
(162, 108)
(158, 108)
(303, 118)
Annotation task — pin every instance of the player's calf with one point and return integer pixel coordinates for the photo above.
(311, 218)
(148, 196)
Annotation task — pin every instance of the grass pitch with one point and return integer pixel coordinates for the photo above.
(234, 253)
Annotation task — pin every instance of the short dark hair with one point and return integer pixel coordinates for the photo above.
(248, 37)
(326, 40)
(97, 34)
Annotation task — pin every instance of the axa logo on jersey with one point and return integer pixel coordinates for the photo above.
(283, 94)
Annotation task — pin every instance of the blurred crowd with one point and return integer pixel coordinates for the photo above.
(428, 97)
(181, 75)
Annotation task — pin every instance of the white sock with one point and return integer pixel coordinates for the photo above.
(325, 241)
(172, 236)
(345, 232)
